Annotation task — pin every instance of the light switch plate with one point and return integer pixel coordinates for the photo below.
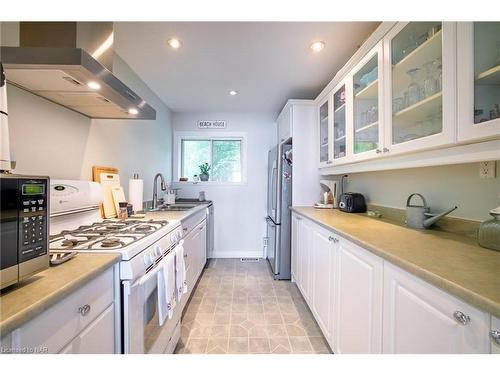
(487, 169)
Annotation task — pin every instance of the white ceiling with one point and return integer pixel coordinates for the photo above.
(266, 62)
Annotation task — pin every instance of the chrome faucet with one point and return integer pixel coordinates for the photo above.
(155, 189)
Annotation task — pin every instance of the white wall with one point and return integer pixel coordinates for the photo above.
(48, 139)
(240, 210)
(442, 186)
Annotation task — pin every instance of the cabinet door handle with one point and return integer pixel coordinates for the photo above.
(185, 255)
(333, 239)
(462, 318)
(495, 336)
(184, 229)
(200, 228)
(378, 151)
(329, 162)
(385, 149)
(84, 310)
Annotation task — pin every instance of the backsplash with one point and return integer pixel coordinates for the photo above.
(443, 187)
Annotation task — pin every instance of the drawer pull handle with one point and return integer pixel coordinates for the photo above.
(495, 336)
(461, 318)
(185, 255)
(84, 310)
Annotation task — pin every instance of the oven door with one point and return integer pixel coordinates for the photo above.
(142, 331)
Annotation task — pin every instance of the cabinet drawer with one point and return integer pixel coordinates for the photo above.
(57, 326)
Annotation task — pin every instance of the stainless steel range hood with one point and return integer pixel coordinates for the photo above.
(70, 64)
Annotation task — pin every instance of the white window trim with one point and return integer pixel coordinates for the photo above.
(212, 135)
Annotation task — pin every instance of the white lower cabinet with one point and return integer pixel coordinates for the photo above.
(96, 338)
(304, 258)
(322, 253)
(357, 326)
(364, 304)
(83, 322)
(495, 335)
(419, 318)
(195, 257)
(294, 246)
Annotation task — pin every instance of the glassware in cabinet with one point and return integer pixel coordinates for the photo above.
(339, 123)
(324, 134)
(416, 54)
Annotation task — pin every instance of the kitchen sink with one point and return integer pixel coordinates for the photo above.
(173, 207)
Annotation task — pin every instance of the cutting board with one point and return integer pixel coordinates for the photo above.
(108, 177)
(118, 196)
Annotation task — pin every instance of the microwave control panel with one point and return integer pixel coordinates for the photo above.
(33, 217)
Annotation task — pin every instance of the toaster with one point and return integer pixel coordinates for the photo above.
(352, 202)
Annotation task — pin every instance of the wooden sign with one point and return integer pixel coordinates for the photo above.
(211, 124)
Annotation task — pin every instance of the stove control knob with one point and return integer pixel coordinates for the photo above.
(172, 239)
(152, 256)
(157, 251)
(178, 234)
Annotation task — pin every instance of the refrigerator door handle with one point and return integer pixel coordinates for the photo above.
(274, 192)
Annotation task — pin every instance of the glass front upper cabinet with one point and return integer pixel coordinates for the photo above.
(416, 56)
(324, 136)
(339, 123)
(486, 71)
(366, 105)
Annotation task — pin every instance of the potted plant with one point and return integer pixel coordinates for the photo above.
(204, 168)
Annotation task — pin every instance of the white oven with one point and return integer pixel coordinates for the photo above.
(142, 331)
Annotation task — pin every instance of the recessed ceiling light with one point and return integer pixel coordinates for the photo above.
(318, 46)
(174, 43)
(233, 93)
(93, 85)
(133, 111)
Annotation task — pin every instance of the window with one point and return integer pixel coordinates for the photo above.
(223, 155)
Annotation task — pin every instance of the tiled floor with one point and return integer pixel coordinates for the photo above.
(238, 307)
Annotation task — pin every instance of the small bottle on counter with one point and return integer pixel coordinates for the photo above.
(123, 213)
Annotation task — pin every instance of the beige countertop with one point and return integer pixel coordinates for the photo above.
(452, 262)
(21, 303)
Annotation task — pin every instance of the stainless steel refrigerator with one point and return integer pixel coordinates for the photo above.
(279, 199)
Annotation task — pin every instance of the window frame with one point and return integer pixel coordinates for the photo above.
(211, 136)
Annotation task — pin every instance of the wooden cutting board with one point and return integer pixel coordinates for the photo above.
(110, 176)
(118, 196)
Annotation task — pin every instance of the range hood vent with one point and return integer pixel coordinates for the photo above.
(53, 61)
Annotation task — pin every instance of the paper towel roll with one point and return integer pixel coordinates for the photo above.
(135, 190)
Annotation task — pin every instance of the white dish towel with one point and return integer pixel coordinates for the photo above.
(166, 288)
(180, 271)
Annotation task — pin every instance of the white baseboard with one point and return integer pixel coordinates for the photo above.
(236, 254)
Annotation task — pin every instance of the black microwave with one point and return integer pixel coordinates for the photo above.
(24, 227)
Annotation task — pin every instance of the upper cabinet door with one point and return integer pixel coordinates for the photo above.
(340, 129)
(367, 106)
(478, 67)
(325, 119)
(285, 125)
(420, 76)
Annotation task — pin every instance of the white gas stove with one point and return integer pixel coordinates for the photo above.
(76, 227)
